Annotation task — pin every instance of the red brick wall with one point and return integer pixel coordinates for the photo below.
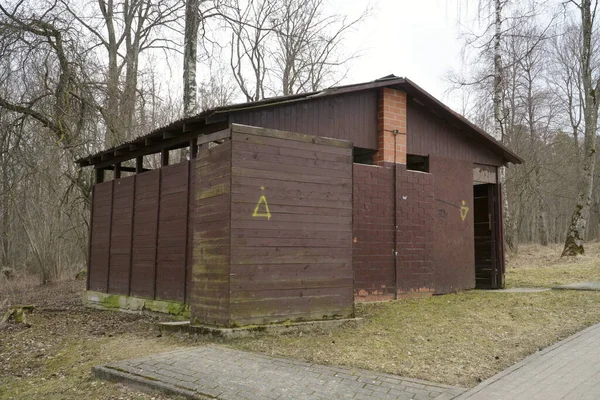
(391, 117)
(416, 272)
(373, 237)
(373, 233)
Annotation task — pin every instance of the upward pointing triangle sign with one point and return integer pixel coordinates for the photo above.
(262, 207)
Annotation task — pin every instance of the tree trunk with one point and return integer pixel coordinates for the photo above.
(574, 242)
(189, 58)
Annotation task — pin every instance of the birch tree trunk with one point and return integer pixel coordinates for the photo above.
(574, 242)
(189, 58)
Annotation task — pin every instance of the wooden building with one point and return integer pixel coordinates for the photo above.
(296, 207)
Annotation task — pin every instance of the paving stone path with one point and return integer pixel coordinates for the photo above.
(222, 373)
(570, 369)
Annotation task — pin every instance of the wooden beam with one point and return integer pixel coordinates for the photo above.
(99, 175)
(212, 137)
(118, 170)
(181, 140)
(139, 164)
(126, 169)
(164, 157)
(193, 148)
(193, 126)
(170, 134)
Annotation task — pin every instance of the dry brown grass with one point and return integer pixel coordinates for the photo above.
(538, 266)
(457, 339)
(52, 359)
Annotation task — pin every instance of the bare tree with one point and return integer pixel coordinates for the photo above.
(574, 242)
(287, 47)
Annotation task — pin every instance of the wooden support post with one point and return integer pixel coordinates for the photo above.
(118, 170)
(139, 164)
(164, 157)
(193, 148)
(99, 175)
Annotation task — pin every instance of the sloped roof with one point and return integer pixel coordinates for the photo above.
(205, 117)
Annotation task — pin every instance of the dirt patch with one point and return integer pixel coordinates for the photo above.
(52, 358)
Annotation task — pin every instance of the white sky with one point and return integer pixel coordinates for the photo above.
(416, 39)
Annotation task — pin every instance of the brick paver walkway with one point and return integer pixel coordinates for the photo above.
(569, 369)
(223, 373)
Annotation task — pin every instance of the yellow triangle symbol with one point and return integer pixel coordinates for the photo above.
(464, 211)
(266, 212)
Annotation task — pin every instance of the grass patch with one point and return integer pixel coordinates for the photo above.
(458, 339)
(537, 266)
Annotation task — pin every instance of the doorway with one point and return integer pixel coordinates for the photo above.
(489, 260)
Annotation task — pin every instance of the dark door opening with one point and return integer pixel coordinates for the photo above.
(489, 271)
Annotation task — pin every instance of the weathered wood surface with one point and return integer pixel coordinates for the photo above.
(145, 230)
(209, 298)
(291, 227)
(351, 117)
(100, 236)
(453, 239)
(429, 134)
(120, 238)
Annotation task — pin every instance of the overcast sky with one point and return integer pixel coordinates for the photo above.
(417, 39)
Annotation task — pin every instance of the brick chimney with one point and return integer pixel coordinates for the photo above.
(391, 117)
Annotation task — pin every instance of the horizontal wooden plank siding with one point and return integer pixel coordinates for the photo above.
(145, 226)
(429, 134)
(291, 227)
(351, 116)
(209, 298)
(120, 238)
(100, 240)
(172, 233)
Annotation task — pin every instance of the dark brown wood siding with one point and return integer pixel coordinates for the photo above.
(139, 235)
(291, 227)
(429, 134)
(100, 241)
(351, 116)
(120, 237)
(172, 233)
(211, 226)
(145, 228)
(453, 240)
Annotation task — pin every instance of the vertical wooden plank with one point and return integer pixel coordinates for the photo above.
(144, 237)
(139, 164)
(110, 218)
(132, 230)
(91, 232)
(157, 231)
(99, 175)
(164, 157)
(120, 245)
(118, 171)
(187, 231)
(193, 148)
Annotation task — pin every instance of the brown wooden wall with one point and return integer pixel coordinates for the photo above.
(209, 299)
(100, 236)
(429, 134)
(294, 260)
(138, 237)
(453, 247)
(351, 116)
